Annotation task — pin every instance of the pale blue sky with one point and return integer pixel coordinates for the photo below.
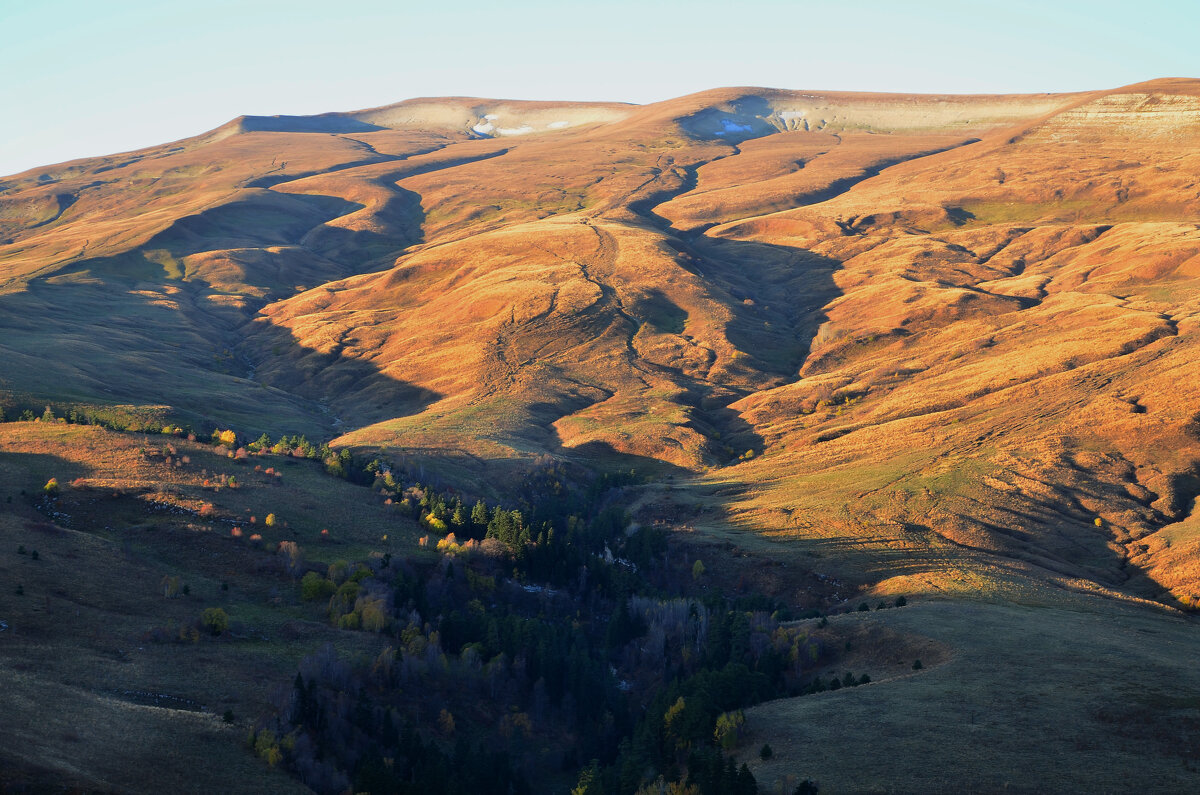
(84, 77)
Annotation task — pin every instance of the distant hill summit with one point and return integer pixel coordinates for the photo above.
(472, 116)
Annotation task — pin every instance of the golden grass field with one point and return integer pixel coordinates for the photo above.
(926, 345)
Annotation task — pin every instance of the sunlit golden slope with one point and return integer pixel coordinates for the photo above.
(932, 342)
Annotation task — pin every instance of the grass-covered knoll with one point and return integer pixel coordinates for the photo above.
(92, 702)
(1088, 696)
(103, 475)
(114, 679)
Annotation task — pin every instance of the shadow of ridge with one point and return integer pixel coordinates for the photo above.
(36, 464)
(353, 392)
(401, 215)
(323, 123)
(256, 223)
(777, 295)
(864, 547)
(268, 219)
(840, 186)
(774, 329)
(746, 119)
(848, 565)
(663, 314)
(137, 342)
(505, 479)
(602, 457)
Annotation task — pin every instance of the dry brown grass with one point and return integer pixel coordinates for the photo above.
(79, 655)
(1086, 697)
(122, 475)
(932, 376)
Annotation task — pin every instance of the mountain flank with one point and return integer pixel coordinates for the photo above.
(854, 346)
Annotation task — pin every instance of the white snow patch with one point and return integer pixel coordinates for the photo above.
(490, 116)
(788, 115)
(558, 125)
(486, 128)
(524, 129)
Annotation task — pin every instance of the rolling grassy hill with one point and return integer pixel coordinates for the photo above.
(942, 346)
(108, 690)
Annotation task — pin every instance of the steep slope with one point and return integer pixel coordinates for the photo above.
(933, 337)
(1007, 367)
